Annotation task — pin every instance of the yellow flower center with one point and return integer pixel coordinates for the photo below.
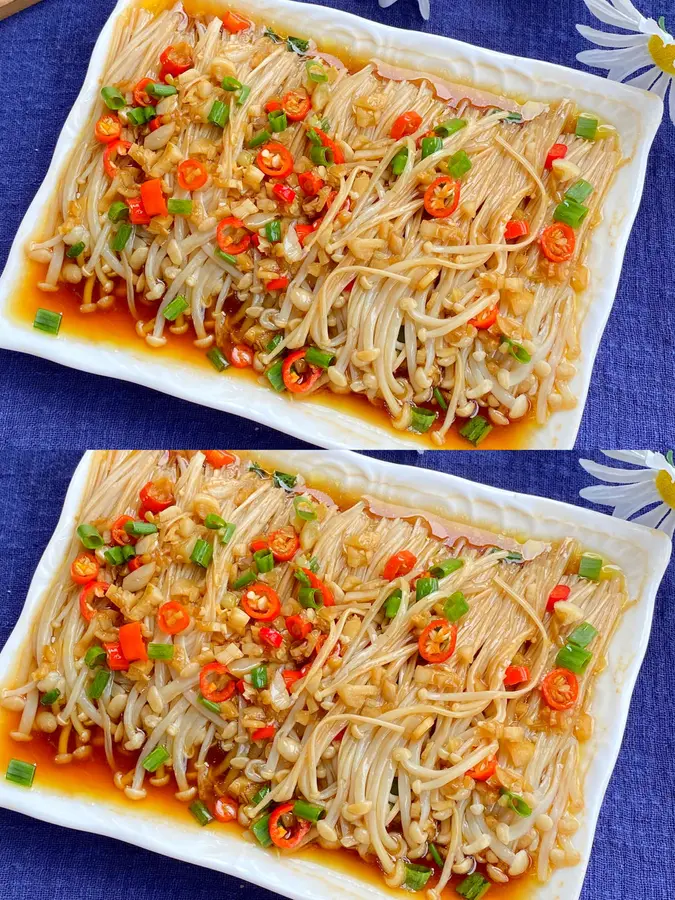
(663, 54)
(666, 488)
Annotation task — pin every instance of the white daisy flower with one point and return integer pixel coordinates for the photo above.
(649, 47)
(631, 490)
(423, 5)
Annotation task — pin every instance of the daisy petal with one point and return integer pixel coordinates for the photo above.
(607, 39)
(660, 86)
(627, 7)
(652, 518)
(614, 495)
(610, 16)
(616, 476)
(671, 102)
(647, 80)
(635, 457)
(644, 496)
(606, 59)
(668, 524)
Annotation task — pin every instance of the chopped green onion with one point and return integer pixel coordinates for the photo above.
(587, 127)
(160, 90)
(94, 656)
(302, 578)
(262, 793)
(46, 320)
(275, 377)
(304, 509)
(258, 470)
(581, 190)
(582, 635)
(516, 803)
(226, 257)
(513, 117)
(141, 115)
(513, 557)
(306, 598)
(99, 683)
(217, 360)
(128, 552)
(261, 831)
(445, 568)
(274, 343)
(570, 212)
(259, 677)
(260, 138)
(459, 164)
(179, 207)
(215, 522)
(21, 772)
(297, 45)
(314, 138)
(209, 704)
(50, 697)
(114, 556)
(421, 419)
(155, 759)
(451, 126)
(476, 430)
(272, 35)
(264, 560)
(517, 351)
(309, 811)
(242, 94)
(227, 533)
(416, 876)
(113, 98)
(436, 856)
(118, 210)
(89, 536)
(278, 121)
(231, 84)
(74, 251)
(455, 607)
(244, 579)
(393, 604)
(121, 237)
(176, 308)
(313, 565)
(399, 161)
(200, 812)
(219, 114)
(321, 358)
(440, 399)
(590, 566)
(202, 553)
(273, 231)
(431, 145)
(315, 71)
(138, 529)
(574, 658)
(474, 887)
(160, 651)
(424, 587)
(284, 480)
(324, 124)
(321, 156)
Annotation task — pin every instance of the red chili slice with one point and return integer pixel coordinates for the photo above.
(437, 641)
(254, 595)
(119, 535)
(275, 160)
(264, 733)
(278, 284)
(131, 641)
(486, 318)
(321, 587)
(296, 105)
(299, 379)
(558, 242)
(338, 155)
(559, 592)
(235, 23)
(176, 59)
(111, 152)
(310, 183)
(116, 659)
(218, 459)
(239, 355)
(225, 809)
(284, 544)
(216, 683)
(107, 129)
(134, 563)
(441, 198)
(560, 689)
(141, 96)
(516, 675)
(138, 214)
(192, 175)
(232, 237)
(284, 192)
(291, 676)
(157, 496)
(485, 769)
(557, 151)
(406, 124)
(399, 564)
(172, 617)
(271, 637)
(90, 592)
(84, 568)
(297, 627)
(516, 228)
(283, 836)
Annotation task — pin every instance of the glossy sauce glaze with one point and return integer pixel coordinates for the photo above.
(92, 778)
(116, 328)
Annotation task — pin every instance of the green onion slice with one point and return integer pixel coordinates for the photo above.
(573, 658)
(113, 98)
(114, 556)
(459, 164)
(99, 683)
(201, 813)
(121, 237)
(219, 114)
(231, 84)
(118, 210)
(227, 533)
(306, 598)
(74, 251)
(208, 704)
(226, 257)
(445, 129)
(399, 161)
(321, 156)
(161, 90)
(436, 856)
(262, 793)
(262, 137)
(446, 567)
(214, 522)
(424, 587)
(217, 360)
(176, 308)
(455, 607)
(302, 578)
(582, 635)
(393, 604)
(315, 71)
(431, 145)
(244, 579)
(474, 887)
(421, 419)
(128, 552)
(242, 94)
(259, 677)
(581, 190)
(21, 772)
(304, 508)
(320, 358)
(309, 811)
(50, 697)
(278, 121)
(160, 651)
(46, 320)
(587, 127)
(273, 231)
(261, 831)
(516, 803)
(416, 876)
(94, 657)
(570, 213)
(138, 528)
(263, 560)
(440, 399)
(89, 536)
(590, 566)
(179, 207)
(155, 759)
(517, 351)
(273, 343)
(202, 553)
(476, 430)
(274, 376)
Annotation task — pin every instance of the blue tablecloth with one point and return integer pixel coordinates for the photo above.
(632, 856)
(45, 53)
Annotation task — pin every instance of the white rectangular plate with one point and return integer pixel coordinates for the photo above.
(635, 113)
(642, 552)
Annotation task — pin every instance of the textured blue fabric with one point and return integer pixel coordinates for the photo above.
(45, 53)
(632, 855)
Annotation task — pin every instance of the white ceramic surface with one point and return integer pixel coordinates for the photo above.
(643, 553)
(635, 113)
